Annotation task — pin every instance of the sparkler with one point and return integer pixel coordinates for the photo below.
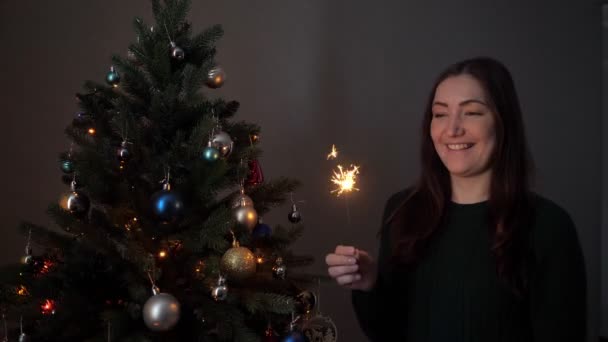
(345, 180)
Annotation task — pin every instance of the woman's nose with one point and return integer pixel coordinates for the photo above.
(455, 126)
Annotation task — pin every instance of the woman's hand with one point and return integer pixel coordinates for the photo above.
(352, 268)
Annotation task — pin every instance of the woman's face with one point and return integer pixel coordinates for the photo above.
(462, 127)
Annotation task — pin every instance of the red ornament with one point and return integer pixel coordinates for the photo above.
(256, 176)
(48, 307)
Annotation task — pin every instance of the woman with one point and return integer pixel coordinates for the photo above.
(470, 252)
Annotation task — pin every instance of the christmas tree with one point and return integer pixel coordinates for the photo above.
(160, 234)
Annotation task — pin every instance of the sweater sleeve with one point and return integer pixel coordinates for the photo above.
(375, 309)
(558, 292)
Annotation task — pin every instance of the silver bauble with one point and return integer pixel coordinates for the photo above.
(220, 292)
(177, 53)
(246, 217)
(27, 259)
(24, 338)
(223, 143)
(216, 77)
(161, 312)
(241, 200)
(294, 216)
(279, 270)
(76, 203)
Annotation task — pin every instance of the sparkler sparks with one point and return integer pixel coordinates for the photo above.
(333, 154)
(345, 181)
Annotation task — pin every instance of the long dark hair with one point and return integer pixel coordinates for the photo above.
(423, 213)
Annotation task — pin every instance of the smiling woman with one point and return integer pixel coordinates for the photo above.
(470, 252)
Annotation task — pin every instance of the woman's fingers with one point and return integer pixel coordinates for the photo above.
(337, 271)
(338, 260)
(348, 278)
(346, 250)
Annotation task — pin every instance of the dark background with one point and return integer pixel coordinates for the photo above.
(313, 73)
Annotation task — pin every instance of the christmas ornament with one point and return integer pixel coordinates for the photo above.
(28, 259)
(305, 302)
(210, 153)
(177, 53)
(215, 77)
(241, 200)
(246, 217)
(113, 78)
(294, 335)
(255, 176)
(238, 263)
(320, 329)
(279, 270)
(161, 311)
(23, 337)
(67, 166)
(123, 153)
(167, 205)
(220, 291)
(294, 216)
(223, 143)
(76, 202)
(48, 307)
(261, 230)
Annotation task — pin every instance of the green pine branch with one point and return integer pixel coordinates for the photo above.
(262, 302)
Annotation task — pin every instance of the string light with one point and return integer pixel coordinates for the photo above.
(199, 267)
(48, 307)
(91, 131)
(46, 266)
(22, 290)
(162, 254)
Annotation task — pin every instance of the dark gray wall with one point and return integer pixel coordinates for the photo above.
(314, 73)
(604, 245)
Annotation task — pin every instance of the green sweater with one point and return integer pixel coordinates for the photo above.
(454, 294)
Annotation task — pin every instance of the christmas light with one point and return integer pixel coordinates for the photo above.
(199, 267)
(22, 290)
(162, 254)
(46, 266)
(345, 181)
(91, 131)
(48, 307)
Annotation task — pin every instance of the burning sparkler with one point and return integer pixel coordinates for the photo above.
(345, 181)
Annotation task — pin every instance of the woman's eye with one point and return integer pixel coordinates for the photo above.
(438, 115)
(473, 113)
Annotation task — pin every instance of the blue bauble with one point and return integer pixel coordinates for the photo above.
(167, 206)
(112, 77)
(67, 166)
(211, 154)
(295, 336)
(261, 231)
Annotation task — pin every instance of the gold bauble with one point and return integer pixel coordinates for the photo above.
(238, 263)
